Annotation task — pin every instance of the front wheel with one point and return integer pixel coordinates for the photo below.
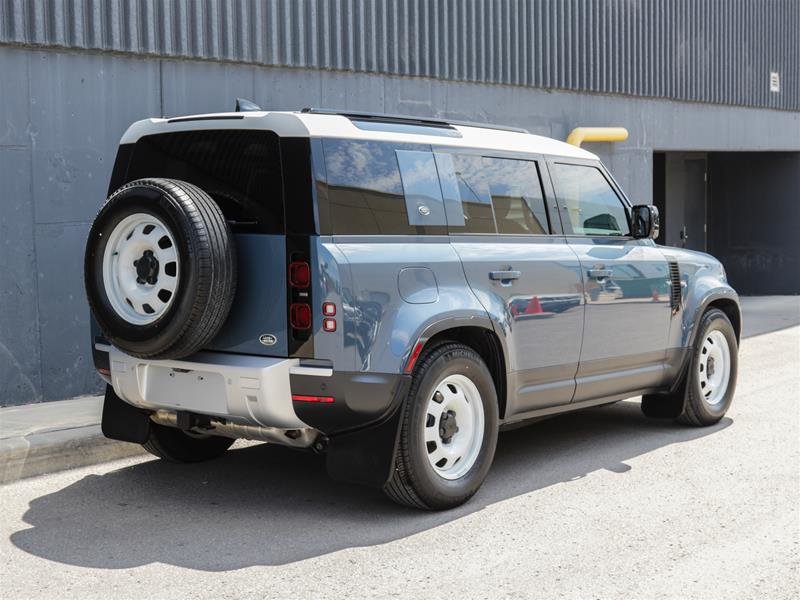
(711, 381)
(448, 433)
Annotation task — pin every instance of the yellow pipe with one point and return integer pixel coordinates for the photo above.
(597, 134)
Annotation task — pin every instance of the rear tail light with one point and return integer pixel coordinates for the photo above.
(329, 309)
(300, 316)
(329, 324)
(299, 274)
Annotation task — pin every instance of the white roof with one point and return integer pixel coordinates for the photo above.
(297, 124)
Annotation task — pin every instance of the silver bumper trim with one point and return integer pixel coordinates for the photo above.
(313, 371)
(248, 390)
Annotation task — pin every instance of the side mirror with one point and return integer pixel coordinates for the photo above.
(644, 219)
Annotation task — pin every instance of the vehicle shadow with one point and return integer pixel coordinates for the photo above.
(268, 505)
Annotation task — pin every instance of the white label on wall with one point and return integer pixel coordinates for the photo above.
(774, 81)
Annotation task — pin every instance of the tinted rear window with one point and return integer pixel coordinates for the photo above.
(240, 169)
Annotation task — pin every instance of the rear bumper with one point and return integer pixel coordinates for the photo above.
(251, 397)
(248, 390)
(252, 390)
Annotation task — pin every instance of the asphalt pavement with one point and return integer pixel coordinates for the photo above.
(598, 504)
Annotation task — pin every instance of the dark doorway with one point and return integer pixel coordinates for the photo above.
(754, 219)
(684, 176)
(742, 207)
(659, 189)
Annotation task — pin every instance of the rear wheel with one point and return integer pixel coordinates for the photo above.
(449, 431)
(178, 446)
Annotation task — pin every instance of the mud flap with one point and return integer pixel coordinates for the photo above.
(665, 406)
(366, 456)
(124, 422)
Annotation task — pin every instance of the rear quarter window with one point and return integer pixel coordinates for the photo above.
(382, 188)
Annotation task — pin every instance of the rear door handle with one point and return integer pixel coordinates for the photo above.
(504, 277)
(599, 273)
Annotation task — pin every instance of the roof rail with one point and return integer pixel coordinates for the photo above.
(410, 120)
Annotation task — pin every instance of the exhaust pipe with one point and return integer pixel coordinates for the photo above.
(296, 438)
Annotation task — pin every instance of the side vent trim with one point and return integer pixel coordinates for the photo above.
(675, 291)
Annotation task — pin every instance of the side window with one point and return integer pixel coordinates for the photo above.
(497, 195)
(591, 204)
(364, 188)
(517, 197)
(384, 188)
(424, 204)
(473, 190)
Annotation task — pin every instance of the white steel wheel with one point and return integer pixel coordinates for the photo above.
(454, 423)
(141, 268)
(714, 367)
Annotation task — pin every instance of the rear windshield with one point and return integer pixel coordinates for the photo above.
(240, 169)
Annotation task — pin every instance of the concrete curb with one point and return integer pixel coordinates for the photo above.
(52, 451)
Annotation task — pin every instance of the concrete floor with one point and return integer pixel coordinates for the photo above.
(602, 503)
(762, 314)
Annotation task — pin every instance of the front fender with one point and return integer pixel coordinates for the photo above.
(700, 295)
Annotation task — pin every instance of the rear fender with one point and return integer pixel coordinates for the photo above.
(441, 325)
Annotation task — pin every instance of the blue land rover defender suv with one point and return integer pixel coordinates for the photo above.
(387, 290)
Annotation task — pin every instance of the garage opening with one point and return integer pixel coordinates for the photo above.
(742, 207)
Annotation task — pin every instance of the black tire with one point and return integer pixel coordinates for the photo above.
(687, 404)
(174, 445)
(696, 411)
(207, 279)
(414, 482)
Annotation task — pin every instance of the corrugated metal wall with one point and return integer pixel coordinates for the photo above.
(718, 51)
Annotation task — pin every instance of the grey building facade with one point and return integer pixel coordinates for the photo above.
(708, 89)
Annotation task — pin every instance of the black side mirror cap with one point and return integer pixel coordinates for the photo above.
(645, 221)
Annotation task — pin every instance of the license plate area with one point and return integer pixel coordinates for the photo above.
(196, 391)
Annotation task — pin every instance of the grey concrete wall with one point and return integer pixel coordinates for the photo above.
(717, 51)
(62, 114)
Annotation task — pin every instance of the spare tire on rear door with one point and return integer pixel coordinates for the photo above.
(160, 268)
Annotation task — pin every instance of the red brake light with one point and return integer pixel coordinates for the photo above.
(299, 274)
(300, 316)
(329, 324)
(329, 309)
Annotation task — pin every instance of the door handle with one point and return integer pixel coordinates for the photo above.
(504, 277)
(599, 273)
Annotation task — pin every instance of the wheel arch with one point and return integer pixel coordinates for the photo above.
(731, 310)
(723, 298)
(475, 334)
